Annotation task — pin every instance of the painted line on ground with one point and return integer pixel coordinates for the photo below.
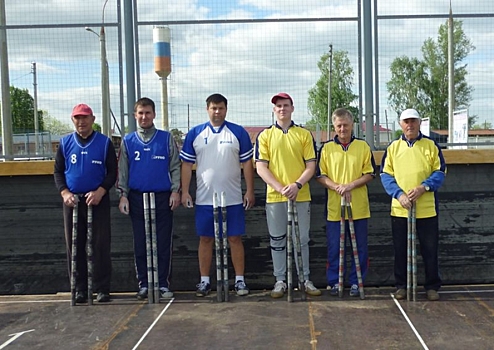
(409, 322)
(153, 324)
(33, 301)
(462, 291)
(312, 328)
(14, 337)
(465, 291)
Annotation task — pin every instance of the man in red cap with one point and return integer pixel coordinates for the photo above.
(286, 160)
(85, 170)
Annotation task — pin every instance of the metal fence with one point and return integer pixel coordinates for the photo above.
(246, 50)
(34, 146)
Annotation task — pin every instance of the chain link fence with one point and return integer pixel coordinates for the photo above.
(246, 50)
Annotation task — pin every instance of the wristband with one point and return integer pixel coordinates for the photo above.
(299, 185)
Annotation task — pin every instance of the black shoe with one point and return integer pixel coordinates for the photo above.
(142, 293)
(103, 297)
(400, 294)
(81, 297)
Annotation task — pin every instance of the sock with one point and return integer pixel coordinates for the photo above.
(239, 278)
(205, 279)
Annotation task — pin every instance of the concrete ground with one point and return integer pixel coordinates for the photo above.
(462, 319)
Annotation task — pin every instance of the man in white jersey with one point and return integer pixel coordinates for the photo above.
(219, 149)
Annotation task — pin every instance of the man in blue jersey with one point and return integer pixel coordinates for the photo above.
(219, 149)
(149, 162)
(85, 171)
(345, 166)
(412, 170)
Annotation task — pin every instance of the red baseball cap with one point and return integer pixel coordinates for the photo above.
(281, 95)
(81, 109)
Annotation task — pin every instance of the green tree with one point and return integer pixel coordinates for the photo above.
(485, 125)
(97, 127)
(423, 84)
(341, 89)
(23, 111)
(55, 126)
(177, 136)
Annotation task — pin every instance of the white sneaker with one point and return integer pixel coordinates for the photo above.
(278, 290)
(241, 288)
(311, 290)
(165, 293)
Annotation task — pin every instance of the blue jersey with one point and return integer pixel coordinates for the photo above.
(149, 162)
(217, 153)
(85, 167)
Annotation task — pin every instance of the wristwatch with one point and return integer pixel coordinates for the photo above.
(427, 188)
(299, 185)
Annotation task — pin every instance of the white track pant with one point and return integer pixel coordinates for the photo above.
(277, 219)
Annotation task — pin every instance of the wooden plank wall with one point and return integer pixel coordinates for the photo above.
(33, 259)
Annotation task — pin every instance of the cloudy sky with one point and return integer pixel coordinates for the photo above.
(247, 62)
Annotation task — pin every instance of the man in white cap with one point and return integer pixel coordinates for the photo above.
(412, 170)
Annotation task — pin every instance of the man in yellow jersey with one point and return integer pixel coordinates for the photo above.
(345, 166)
(412, 170)
(285, 158)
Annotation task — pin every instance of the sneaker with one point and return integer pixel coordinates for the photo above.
(241, 288)
(311, 290)
(401, 294)
(81, 296)
(142, 293)
(278, 290)
(334, 290)
(354, 292)
(432, 295)
(165, 293)
(103, 297)
(203, 289)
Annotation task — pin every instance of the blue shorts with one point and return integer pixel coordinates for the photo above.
(235, 220)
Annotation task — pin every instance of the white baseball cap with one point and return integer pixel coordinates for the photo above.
(409, 113)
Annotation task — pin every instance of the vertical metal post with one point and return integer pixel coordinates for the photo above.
(130, 63)
(164, 104)
(137, 66)
(376, 76)
(120, 71)
(5, 84)
(451, 76)
(368, 76)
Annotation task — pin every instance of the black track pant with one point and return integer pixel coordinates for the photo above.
(101, 244)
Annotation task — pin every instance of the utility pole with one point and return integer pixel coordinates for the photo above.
(105, 86)
(330, 71)
(35, 101)
(105, 78)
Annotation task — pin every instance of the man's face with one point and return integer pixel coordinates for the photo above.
(83, 124)
(343, 128)
(410, 128)
(217, 113)
(145, 116)
(283, 109)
